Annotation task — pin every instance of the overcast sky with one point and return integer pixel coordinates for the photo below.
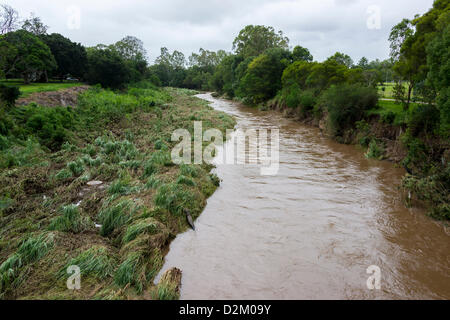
(356, 27)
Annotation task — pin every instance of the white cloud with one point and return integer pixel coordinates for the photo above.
(323, 26)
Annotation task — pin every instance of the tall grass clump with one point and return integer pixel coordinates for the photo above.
(174, 198)
(116, 216)
(70, 221)
(132, 272)
(147, 226)
(95, 262)
(29, 251)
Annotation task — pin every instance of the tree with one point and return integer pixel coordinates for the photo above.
(342, 59)
(31, 57)
(301, 54)
(262, 79)
(9, 19)
(363, 63)
(107, 67)
(131, 48)
(35, 26)
(71, 57)
(254, 40)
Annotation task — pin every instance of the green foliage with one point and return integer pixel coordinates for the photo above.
(347, 104)
(433, 189)
(262, 79)
(174, 198)
(29, 55)
(132, 272)
(255, 40)
(29, 251)
(70, 221)
(424, 119)
(166, 292)
(71, 57)
(9, 95)
(116, 216)
(95, 262)
(185, 181)
(189, 170)
(147, 226)
(375, 151)
(76, 167)
(108, 68)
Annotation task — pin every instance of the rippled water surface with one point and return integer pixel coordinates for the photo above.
(311, 231)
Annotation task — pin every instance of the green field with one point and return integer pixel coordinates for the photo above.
(388, 92)
(394, 110)
(27, 89)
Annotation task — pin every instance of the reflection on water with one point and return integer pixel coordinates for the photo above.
(311, 231)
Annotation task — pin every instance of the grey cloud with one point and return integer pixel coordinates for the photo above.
(324, 26)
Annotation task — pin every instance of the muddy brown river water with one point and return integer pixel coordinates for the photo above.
(311, 231)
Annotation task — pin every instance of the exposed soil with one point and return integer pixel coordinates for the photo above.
(65, 97)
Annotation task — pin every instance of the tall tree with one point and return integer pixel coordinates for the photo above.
(9, 19)
(32, 57)
(254, 40)
(301, 54)
(35, 26)
(71, 57)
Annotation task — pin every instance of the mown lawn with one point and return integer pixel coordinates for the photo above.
(388, 92)
(392, 112)
(27, 89)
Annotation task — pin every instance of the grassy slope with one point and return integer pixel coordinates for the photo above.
(139, 205)
(27, 89)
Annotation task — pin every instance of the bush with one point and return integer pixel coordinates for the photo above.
(424, 119)
(347, 104)
(9, 95)
(375, 151)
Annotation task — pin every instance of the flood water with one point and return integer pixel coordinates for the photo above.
(311, 231)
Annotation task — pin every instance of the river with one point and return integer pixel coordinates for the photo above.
(311, 231)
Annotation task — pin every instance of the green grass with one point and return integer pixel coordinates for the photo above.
(28, 89)
(70, 221)
(123, 140)
(388, 92)
(116, 216)
(147, 226)
(392, 112)
(95, 262)
(131, 272)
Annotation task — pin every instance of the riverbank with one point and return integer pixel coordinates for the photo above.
(94, 187)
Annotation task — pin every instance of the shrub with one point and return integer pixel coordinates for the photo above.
(76, 167)
(347, 104)
(9, 95)
(375, 151)
(424, 119)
